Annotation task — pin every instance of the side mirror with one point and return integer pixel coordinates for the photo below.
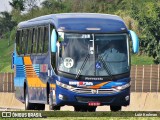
(135, 41)
(53, 41)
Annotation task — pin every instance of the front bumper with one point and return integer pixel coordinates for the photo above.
(66, 97)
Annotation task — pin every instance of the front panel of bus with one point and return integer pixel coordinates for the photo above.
(92, 68)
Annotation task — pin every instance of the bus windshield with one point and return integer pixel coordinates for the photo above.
(93, 54)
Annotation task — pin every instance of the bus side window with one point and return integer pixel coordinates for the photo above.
(22, 43)
(18, 44)
(25, 44)
(40, 42)
(46, 40)
(33, 32)
(29, 41)
(38, 39)
(34, 42)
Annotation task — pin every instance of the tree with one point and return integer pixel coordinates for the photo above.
(31, 4)
(148, 16)
(6, 22)
(46, 4)
(18, 4)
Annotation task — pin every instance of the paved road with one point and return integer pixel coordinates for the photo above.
(139, 102)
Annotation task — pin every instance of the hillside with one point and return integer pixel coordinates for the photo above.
(5, 55)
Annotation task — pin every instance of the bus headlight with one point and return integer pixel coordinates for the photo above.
(122, 87)
(68, 87)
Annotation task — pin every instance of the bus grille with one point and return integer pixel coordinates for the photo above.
(94, 99)
(94, 91)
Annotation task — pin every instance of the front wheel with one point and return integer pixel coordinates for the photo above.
(51, 105)
(115, 108)
(85, 108)
(54, 107)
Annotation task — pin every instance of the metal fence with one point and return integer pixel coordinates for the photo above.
(144, 78)
(6, 82)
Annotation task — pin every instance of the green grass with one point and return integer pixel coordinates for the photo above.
(5, 55)
(70, 115)
(103, 118)
(89, 118)
(99, 118)
(141, 60)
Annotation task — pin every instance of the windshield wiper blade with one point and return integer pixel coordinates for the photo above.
(83, 64)
(106, 67)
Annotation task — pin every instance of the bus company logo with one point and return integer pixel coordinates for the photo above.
(94, 91)
(81, 84)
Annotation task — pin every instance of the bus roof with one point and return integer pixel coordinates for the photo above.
(80, 22)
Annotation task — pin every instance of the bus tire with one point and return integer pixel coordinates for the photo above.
(92, 108)
(82, 108)
(28, 106)
(115, 108)
(51, 105)
(54, 107)
(39, 106)
(32, 106)
(77, 108)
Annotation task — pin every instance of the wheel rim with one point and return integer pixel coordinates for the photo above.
(26, 100)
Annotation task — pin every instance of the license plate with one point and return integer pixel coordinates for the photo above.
(94, 103)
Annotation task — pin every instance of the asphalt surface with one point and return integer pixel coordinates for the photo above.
(139, 102)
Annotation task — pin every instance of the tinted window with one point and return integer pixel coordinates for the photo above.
(30, 41)
(40, 40)
(22, 43)
(25, 41)
(34, 42)
(46, 40)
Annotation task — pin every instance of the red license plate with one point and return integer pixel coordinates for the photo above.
(94, 103)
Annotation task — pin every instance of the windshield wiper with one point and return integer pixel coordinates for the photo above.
(106, 67)
(83, 64)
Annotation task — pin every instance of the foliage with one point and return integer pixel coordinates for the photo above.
(141, 16)
(141, 60)
(18, 4)
(148, 18)
(5, 54)
(6, 23)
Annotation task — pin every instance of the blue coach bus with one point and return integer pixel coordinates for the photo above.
(77, 59)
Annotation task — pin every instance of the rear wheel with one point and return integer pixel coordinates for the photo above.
(28, 106)
(32, 106)
(39, 106)
(115, 108)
